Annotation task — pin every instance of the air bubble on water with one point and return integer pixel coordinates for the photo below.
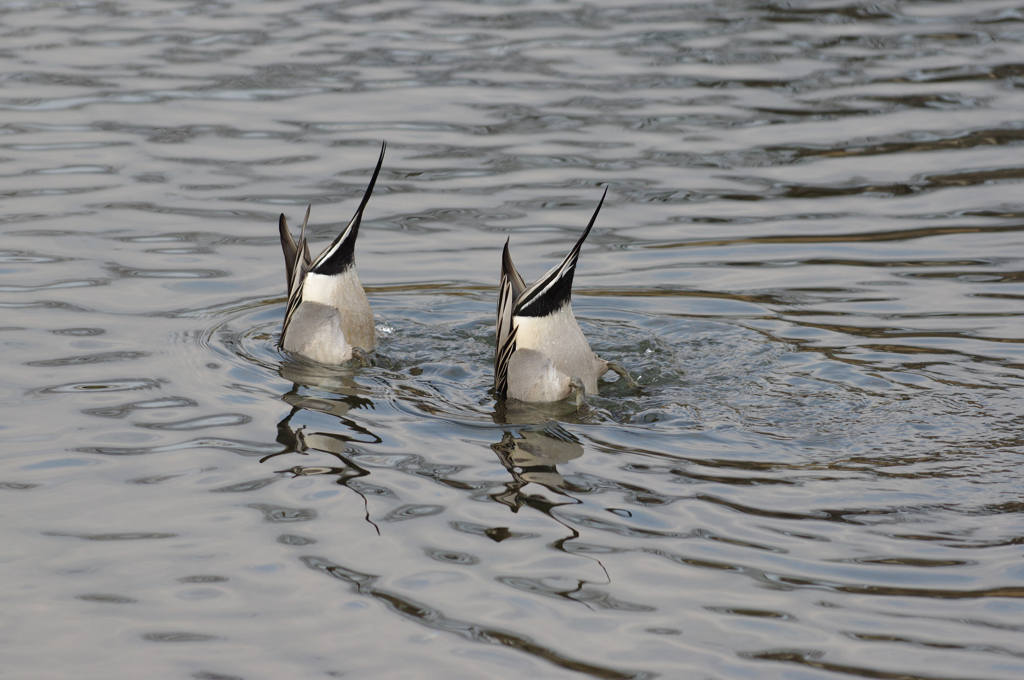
(385, 329)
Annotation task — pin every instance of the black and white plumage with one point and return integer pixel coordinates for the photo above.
(541, 354)
(328, 318)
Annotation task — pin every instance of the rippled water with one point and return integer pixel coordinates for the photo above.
(810, 256)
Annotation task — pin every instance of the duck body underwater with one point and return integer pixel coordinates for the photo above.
(328, 318)
(541, 354)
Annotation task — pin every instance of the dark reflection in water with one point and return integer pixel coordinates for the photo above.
(296, 440)
(531, 456)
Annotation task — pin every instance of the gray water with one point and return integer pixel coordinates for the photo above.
(810, 257)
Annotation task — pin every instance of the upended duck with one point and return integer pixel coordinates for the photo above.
(328, 318)
(541, 354)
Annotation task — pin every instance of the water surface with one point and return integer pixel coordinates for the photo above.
(809, 257)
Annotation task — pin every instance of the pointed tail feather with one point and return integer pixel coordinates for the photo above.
(340, 255)
(554, 290)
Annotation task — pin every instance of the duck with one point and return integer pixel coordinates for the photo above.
(328, 318)
(540, 353)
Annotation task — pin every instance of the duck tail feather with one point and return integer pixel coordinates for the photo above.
(554, 290)
(340, 254)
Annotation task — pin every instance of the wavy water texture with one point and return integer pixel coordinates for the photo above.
(809, 257)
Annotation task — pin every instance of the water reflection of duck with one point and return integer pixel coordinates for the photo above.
(532, 457)
(296, 440)
(346, 395)
(541, 355)
(328, 318)
(326, 379)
